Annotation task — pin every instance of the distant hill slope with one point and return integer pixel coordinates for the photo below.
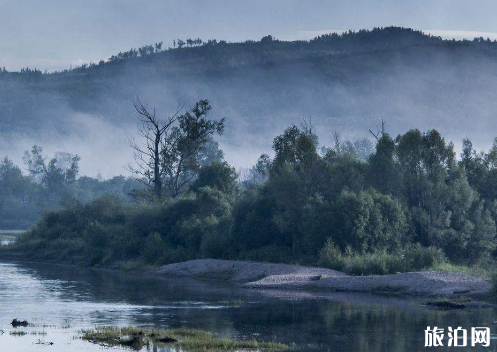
(345, 82)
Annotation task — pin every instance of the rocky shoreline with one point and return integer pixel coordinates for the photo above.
(283, 276)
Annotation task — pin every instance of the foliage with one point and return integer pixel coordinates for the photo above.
(411, 258)
(49, 183)
(180, 339)
(173, 149)
(409, 206)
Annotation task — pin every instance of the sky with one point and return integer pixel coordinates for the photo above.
(58, 34)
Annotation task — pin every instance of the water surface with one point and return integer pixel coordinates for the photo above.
(59, 301)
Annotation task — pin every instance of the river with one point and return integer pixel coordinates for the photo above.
(59, 301)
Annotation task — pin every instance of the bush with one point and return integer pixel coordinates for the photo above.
(411, 258)
(377, 263)
(153, 249)
(418, 257)
(331, 256)
(217, 242)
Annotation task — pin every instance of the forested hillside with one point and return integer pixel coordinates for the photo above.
(344, 82)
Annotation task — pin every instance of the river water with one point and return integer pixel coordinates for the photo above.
(59, 301)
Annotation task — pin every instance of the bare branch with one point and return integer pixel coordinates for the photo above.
(379, 131)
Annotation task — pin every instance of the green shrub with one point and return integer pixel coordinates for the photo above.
(410, 258)
(418, 257)
(377, 263)
(331, 256)
(153, 249)
(218, 242)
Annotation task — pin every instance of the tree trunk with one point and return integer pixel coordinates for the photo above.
(157, 176)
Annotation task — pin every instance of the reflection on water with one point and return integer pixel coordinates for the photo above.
(59, 301)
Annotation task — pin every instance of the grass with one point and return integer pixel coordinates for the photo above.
(473, 271)
(448, 303)
(410, 258)
(456, 299)
(184, 339)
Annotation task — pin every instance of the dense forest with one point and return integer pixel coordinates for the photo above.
(346, 81)
(402, 204)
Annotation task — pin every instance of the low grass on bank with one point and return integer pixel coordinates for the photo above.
(183, 339)
(485, 271)
(410, 258)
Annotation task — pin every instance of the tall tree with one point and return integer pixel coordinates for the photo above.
(183, 146)
(149, 169)
(171, 153)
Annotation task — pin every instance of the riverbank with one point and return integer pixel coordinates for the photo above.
(283, 276)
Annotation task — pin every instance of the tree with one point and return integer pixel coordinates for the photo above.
(62, 168)
(69, 163)
(35, 162)
(182, 146)
(53, 176)
(296, 148)
(17, 210)
(218, 175)
(149, 168)
(174, 148)
(383, 172)
(369, 221)
(296, 172)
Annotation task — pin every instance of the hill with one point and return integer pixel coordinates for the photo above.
(344, 82)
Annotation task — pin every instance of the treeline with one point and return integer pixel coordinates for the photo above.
(376, 39)
(47, 183)
(409, 205)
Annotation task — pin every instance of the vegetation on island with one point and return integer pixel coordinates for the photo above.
(406, 204)
(183, 339)
(385, 205)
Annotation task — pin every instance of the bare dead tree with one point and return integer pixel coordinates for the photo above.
(168, 156)
(336, 140)
(379, 132)
(147, 154)
(307, 125)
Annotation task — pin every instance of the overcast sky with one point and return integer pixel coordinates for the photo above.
(55, 34)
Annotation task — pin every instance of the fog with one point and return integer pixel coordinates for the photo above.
(451, 89)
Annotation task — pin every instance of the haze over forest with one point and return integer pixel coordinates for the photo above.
(347, 83)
